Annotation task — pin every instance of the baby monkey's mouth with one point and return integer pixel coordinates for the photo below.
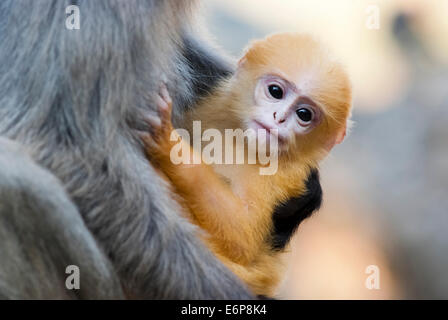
(258, 125)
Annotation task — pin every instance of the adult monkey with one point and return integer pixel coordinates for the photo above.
(75, 187)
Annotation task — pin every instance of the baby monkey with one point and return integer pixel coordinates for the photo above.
(288, 87)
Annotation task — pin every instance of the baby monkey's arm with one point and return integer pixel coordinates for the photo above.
(212, 203)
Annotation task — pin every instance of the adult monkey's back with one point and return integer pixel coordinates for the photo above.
(75, 188)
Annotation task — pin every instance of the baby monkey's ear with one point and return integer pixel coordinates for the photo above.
(337, 139)
(242, 62)
(341, 135)
(241, 66)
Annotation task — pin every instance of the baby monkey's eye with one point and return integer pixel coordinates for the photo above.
(305, 115)
(275, 91)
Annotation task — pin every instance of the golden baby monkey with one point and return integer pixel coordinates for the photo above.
(287, 86)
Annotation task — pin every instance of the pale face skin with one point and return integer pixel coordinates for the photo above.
(285, 111)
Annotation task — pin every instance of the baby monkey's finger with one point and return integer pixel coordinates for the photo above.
(154, 122)
(147, 140)
(165, 94)
(164, 110)
(165, 107)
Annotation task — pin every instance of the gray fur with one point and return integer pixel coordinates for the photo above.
(42, 233)
(73, 99)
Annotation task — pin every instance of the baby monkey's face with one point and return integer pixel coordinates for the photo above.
(283, 110)
(300, 95)
(291, 110)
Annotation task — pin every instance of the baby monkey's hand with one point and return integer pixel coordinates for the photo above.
(157, 142)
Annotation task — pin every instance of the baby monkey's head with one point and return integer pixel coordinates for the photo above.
(297, 88)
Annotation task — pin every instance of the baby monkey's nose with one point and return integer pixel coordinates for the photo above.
(279, 121)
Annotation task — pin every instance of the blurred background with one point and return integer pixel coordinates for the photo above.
(386, 186)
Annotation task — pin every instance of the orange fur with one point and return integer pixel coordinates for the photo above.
(234, 203)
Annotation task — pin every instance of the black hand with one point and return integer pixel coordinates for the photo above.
(289, 215)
